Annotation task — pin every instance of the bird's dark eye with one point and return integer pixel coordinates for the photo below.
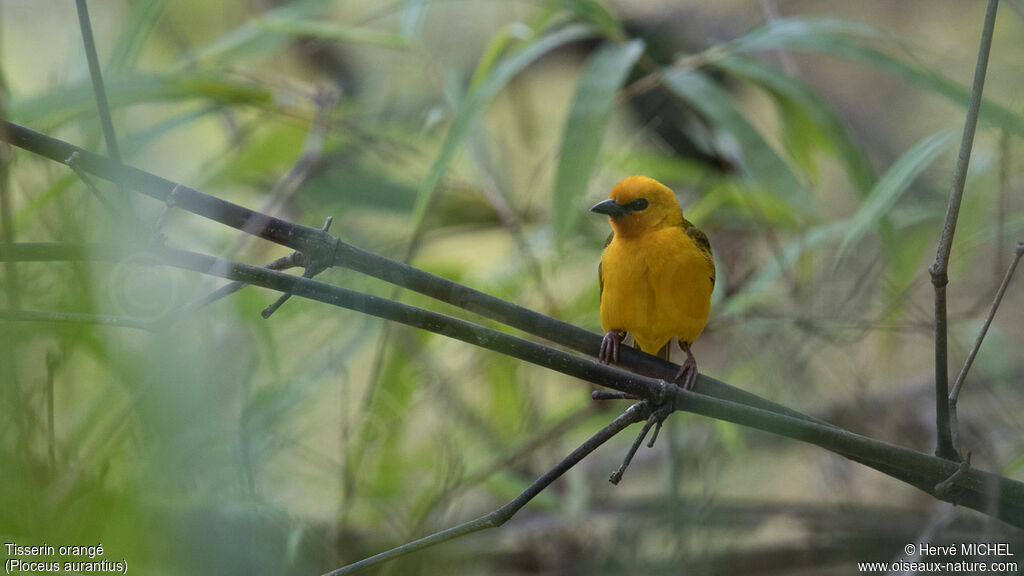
(639, 204)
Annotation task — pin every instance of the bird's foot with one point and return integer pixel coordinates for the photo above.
(609, 353)
(655, 420)
(687, 374)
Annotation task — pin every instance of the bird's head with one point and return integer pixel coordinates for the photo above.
(638, 204)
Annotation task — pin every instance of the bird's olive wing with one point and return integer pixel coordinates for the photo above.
(701, 240)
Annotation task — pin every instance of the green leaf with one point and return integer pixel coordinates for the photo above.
(250, 37)
(844, 39)
(488, 86)
(602, 76)
(141, 23)
(413, 15)
(327, 30)
(67, 103)
(803, 107)
(892, 185)
(758, 160)
(597, 15)
(828, 35)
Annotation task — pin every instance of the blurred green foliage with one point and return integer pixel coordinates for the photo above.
(472, 138)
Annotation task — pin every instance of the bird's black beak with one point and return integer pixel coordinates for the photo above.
(611, 208)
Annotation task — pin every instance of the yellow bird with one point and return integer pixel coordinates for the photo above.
(656, 273)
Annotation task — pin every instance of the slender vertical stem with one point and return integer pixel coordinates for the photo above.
(938, 269)
(106, 122)
(98, 88)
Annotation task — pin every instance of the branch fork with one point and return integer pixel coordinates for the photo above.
(659, 409)
(313, 264)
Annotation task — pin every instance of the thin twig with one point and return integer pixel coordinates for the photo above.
(616, 476)
(954, 395)
(1018, 252)
(177, 315)
(938, 270)
(633, 414)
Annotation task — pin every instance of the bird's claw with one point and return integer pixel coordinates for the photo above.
(609, 352)
(687, 374)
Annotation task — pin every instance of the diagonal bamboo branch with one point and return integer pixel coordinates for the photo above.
(986, 492)
(938, 270)
(319, 245)
(982, 491)
(975, 489)
(294, 236)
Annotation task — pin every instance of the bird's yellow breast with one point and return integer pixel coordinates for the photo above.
(655, 286)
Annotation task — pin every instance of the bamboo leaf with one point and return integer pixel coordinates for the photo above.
(602, 76)
(845, 39)
(413, 15)
(828, 35)
(893, 184)
(326, 30)
(250, 37)
(802, 106)
(67, 103)
(758, 160)
(485, 90)
(141, 23)
(597, 15)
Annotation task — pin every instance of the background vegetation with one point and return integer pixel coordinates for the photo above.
(813, 141)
